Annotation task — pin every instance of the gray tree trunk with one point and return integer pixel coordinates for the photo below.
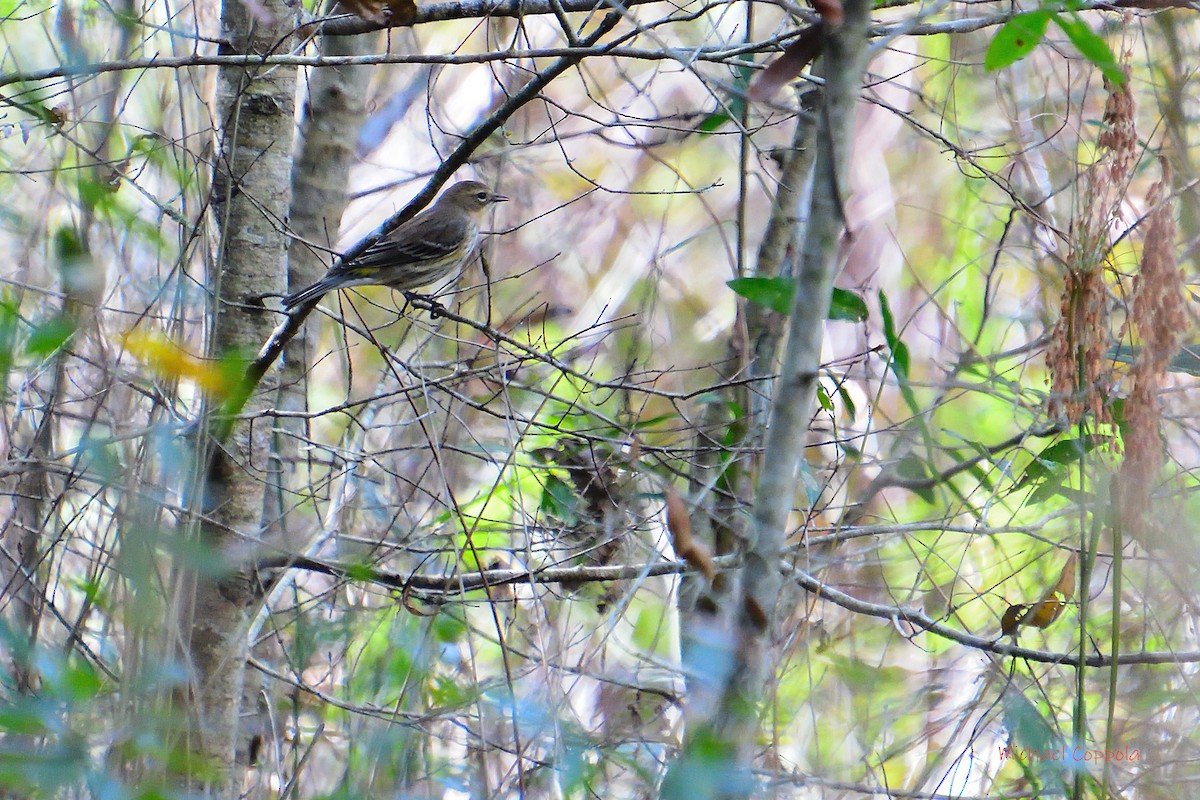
(721, 741)
(251, 200)
(333, 113)
(843, 62)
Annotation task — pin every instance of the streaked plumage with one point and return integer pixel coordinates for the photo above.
(425, 249)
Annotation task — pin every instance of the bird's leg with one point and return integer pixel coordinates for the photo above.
(424, 302)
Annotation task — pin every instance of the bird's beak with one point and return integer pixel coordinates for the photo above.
(498, 198)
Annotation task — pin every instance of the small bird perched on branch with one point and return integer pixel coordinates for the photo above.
(425, 249)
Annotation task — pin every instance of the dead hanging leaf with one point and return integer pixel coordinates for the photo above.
(757, 614)
(796, 56)
(370, 10)
(1012, 618)
(401, 12)
(800, 53)
(679, 524)
(830, 11)
(1163, 320)
(1046, 610)
(56, 117)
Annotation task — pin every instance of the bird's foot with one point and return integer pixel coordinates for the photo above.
(424, 302)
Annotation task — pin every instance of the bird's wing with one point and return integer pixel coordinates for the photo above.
(423, 238)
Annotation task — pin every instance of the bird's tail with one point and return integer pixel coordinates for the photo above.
(311, 293)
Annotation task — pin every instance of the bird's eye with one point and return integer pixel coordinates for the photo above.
(482, 197)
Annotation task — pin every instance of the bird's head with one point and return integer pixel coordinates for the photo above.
(471, 195)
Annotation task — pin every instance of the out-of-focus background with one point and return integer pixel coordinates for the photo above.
(1003, 221)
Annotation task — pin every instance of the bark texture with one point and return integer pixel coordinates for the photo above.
(334, 107)
(251, 199)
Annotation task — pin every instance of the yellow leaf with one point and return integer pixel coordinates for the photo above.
(1046, 610)
(169, 360)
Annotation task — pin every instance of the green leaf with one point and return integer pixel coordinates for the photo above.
(1029, 730)
(444, 691)
(777, 293)
(559, 501)
(48, 337)
(900, 358)
(1070, 450)
(449, 629)
(847, 306)
(899, 349)
(1064, 452)
(704, 766)
(713, 122)
(22, 719)
(95, 193)
(773, 293)
(80, 683)
(1025, 723)
(981, 475)
(823, 398)
(1051, 487)
(360, 572)
(1016, 39)
(712, 399)
(1091, 46)
(647, 424)
(736, 105)
(913, 468)
(741, 82)
(648, 627)
(1036, 471)
(9, 317)
(812, 486)
(847, 401)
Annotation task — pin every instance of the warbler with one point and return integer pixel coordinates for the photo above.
(425, 249)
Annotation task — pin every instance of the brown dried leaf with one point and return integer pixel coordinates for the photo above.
(1161, 316)
(756, 613)
(401, 12)
(370, 10)
(830, 11)
(1046, 610)
(1119, 134)
(796, 56)
(1012, 619)
(1075, 354)
(59, 115)
(679, 524)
